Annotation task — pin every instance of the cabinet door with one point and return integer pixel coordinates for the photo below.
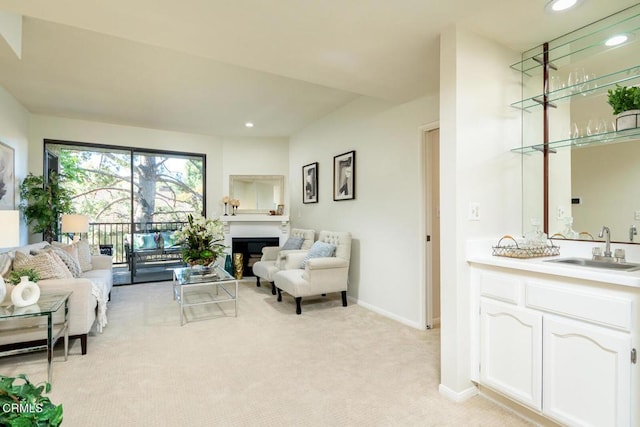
(586, 374)
(511, 351)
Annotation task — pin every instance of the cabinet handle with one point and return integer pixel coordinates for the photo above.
(634, 356)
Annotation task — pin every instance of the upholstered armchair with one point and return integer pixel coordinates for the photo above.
(273, 256)
(322, 270)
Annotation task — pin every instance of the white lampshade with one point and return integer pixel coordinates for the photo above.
(75, 223)
(10, 234)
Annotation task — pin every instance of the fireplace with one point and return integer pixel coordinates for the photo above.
(251, 250)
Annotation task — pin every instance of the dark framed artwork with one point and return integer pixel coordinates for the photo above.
(310, 183)
(7, 178)
(344, 176)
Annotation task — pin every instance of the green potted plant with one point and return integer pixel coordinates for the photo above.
(24, 404)
(15, 275)
(43, 202)
(625, 102)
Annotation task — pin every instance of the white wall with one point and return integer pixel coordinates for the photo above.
(477, 130)
(269, 156)
(14, 129)
(256, 156)
(387, 216)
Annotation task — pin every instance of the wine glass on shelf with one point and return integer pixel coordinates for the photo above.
(576, 80)
(590, 83)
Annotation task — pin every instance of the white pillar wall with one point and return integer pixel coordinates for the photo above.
(477, 131)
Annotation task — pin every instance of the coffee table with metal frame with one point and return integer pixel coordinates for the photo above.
(190, 278)
(47, 305)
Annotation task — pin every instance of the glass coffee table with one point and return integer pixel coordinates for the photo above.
(47, 306)
(189, 279)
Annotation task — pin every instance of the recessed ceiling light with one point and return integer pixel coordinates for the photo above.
(616, 40)
(248, 124)
(560, 5)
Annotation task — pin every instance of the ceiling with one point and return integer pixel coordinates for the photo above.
(208, 66)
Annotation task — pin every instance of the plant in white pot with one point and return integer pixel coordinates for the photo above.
(625, 102)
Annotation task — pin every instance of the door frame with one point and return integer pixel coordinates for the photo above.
(426, 290)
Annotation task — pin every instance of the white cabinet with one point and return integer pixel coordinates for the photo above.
(560, 346)
(510, 349)
(587, 373)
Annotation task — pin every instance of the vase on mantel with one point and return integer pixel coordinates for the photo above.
(25, 293)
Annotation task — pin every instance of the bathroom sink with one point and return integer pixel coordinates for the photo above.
(607, 265)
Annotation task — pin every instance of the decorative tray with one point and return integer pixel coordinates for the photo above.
(523, 251)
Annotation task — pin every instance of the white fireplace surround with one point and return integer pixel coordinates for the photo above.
(255, 226)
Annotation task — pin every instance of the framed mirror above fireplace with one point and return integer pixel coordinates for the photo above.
(258, 194)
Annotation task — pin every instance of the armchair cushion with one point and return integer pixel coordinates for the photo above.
(319, 250)
(293, 243)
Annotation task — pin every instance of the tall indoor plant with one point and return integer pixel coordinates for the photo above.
(43, 202)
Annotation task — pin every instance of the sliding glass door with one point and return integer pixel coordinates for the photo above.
(135, 199)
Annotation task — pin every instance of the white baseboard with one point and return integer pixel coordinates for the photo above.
(457, 397)
(385, 313)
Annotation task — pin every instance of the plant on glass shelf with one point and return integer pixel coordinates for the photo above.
(202, 240)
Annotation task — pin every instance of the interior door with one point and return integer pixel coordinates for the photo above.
(431, 162)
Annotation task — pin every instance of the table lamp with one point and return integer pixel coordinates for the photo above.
(75, 224)
(10, 235)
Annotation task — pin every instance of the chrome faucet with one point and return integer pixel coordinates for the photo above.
(606, 233)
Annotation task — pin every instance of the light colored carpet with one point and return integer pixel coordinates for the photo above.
(331, 366)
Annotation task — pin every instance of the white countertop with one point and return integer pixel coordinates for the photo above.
(480, 252)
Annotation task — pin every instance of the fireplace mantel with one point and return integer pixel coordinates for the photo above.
(255, 225)
(255, 218)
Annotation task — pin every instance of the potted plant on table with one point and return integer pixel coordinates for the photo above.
(202, 240)
(625, 102)
(24, 404)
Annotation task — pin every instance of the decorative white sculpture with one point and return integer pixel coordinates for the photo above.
(25, 293)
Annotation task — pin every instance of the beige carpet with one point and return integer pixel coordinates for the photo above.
(331, 366)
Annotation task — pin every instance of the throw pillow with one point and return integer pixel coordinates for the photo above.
(84, 255)
(319, 250)
(45, 264)
(72, 264)
(293, 243)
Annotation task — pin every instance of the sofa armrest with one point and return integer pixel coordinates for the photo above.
(82, 303)
(102, 262)
(270, 253)
(326, 262)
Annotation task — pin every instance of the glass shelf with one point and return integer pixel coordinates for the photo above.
(581, 43)
(598, 139)
(597, 86)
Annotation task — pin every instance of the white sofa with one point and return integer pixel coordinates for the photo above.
(320, 275)
(274, 257)
(87, 303)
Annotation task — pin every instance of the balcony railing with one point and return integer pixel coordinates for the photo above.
(110, 237)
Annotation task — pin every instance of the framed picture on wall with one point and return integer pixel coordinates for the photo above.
(310, 183)
(344, 176)
(7, 182)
